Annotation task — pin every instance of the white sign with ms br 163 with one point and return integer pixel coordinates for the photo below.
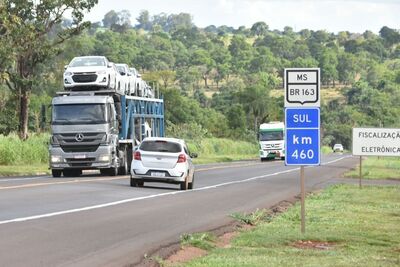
(376, 142)
(302, 87)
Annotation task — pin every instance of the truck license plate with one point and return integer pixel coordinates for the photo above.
(158, 174)
(80, 157)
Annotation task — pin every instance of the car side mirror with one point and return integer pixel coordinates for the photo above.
(65, 67)
(122, 73)
(193, 155)
(129, 74)
(109, 65)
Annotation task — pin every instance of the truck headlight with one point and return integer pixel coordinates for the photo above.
(55, 159)
(104, 158)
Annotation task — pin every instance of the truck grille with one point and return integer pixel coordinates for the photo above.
(272, 146)
(80, 162)
(86, 77)
(88, 142)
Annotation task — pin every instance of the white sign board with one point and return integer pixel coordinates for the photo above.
(302, 87)
(376, 142)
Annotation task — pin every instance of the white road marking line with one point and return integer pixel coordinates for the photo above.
(47, 215)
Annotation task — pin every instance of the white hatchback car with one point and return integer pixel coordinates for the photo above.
(160, 159)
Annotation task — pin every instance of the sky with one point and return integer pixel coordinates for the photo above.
(331, 15)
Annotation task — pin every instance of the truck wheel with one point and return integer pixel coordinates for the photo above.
(113, 171)
(56, 173)
(123, 170)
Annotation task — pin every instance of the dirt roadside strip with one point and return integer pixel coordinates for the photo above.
(176, 254)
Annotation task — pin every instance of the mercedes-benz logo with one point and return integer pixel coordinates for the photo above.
(79, 137)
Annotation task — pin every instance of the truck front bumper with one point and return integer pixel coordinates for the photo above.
(271, 154)
(101, 158)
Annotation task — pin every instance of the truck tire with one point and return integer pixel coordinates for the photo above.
(113, 171)
(56, 173)
(124, 169)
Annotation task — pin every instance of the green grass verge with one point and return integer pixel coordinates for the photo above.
(211, 150)
(377, 168)
(361, 227)
(20, 170)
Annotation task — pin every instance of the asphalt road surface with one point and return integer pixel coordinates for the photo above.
(101, 221)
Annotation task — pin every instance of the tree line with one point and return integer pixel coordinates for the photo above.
(216, 81)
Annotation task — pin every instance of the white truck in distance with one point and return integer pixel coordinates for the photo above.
(271, 140)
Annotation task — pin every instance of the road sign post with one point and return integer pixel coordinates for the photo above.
(302, 120)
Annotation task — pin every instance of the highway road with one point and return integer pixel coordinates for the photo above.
(101, 221)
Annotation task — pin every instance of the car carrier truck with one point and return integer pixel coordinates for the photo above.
(271, 140)
(99, 130)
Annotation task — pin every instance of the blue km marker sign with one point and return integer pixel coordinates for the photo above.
(302, 136)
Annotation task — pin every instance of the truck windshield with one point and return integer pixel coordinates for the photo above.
(79, 114)
(271, 135)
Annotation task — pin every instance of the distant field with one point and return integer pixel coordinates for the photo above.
(378, 168)
(345, 226)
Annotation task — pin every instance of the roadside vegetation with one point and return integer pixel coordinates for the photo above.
(30, 157)
(377, 168)
(345, 226)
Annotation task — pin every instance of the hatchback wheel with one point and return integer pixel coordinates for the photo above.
(191, 185)
(185, 185)
(134, 182)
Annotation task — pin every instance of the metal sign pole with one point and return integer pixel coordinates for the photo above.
(360, 171)
(303, 196)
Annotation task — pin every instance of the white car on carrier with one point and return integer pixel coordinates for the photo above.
(90, 72)
(166, 160)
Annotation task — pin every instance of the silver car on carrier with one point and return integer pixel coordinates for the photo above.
(166, 160)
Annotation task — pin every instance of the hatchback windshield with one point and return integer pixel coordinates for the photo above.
(271, 136)
(88, 61)
(160, 146)
(79, 114)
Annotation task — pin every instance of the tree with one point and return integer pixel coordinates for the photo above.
(110, 18)
(26, 25)
(390, 36)
(144, 21)
(328, 64)
(259, 28)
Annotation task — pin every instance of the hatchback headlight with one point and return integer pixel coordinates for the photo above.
(101, 72)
